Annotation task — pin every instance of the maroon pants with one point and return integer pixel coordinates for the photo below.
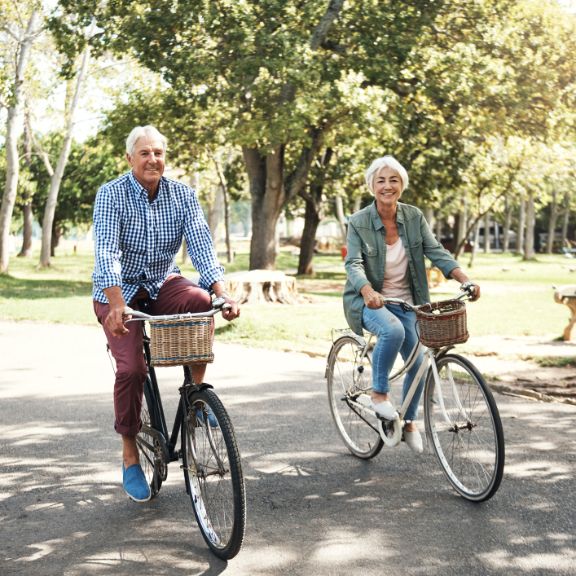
(176, 296)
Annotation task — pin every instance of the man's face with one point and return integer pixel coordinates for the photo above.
(147, 161)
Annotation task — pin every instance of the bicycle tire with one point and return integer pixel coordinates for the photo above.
(348, 375)
(151, 454)
(470, 447)
(213, 473)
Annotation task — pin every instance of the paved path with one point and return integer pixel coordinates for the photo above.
(313, 508)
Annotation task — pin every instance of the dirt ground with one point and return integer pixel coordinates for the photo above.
(510, 365)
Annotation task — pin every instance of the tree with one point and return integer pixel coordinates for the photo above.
(57, 173)
(274, 70)
(90, 164)
(279, 79)
(19, 29)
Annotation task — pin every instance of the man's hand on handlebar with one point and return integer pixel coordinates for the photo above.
(230, 308)
(114, 322)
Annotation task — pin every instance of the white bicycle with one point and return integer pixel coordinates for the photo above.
(461, 417)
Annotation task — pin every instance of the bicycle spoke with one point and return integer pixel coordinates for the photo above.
(213, 474)
(348, 376)
(465, 428)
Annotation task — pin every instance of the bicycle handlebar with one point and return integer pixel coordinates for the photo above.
(218, 305)
(466, 291)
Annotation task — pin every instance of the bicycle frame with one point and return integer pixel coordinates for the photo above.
(429, 363)
(168, 441)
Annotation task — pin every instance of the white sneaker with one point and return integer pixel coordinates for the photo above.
(414, 441)
(385, 409)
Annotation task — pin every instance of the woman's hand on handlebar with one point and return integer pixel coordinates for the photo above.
(472, 289)
(372, 299)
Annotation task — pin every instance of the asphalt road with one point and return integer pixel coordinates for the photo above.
(313, 509)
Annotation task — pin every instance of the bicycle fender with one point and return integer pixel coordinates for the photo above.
(204, 386)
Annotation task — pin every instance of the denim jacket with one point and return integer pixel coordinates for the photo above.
(366, 257)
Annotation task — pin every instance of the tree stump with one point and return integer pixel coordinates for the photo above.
(567, 295)
(262, 287)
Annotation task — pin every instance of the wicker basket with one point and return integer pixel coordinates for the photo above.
(442, 323)
(181, 341)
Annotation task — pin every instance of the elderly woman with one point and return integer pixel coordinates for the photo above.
(387, 243)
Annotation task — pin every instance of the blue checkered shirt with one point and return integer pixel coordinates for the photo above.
(136, 241)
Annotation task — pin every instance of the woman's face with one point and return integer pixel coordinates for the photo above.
(387, 186)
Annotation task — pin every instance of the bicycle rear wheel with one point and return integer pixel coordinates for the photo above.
(213, 473)
(149, 446)
(467, 434)
(349, 375)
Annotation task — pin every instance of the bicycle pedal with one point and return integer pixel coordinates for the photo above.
(364, 400)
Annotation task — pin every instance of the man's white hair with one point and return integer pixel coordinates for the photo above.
(141, 131)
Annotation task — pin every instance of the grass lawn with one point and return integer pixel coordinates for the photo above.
(517, 298)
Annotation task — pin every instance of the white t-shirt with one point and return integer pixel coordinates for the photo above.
(395, 279)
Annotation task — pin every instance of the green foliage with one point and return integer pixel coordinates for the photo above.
(449, 87)
(556, 361)
(90, 165)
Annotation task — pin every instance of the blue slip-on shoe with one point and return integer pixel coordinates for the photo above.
(135, 484)
(211, 418)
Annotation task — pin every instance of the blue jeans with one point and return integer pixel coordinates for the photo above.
(396, 332)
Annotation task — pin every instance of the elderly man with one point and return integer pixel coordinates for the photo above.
(140, 220)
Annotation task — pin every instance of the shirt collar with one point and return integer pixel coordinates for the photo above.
(140, 189)
(377, 221)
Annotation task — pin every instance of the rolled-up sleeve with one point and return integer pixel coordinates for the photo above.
(354, 263)
(199, 244)
(434, 251)
(107, 268)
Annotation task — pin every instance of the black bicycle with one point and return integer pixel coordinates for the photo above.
(208, 448)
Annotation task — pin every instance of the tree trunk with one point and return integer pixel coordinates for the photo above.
(224, 187)
(507, 226)
(308, 241)
(56, 179)
(313, 213)
(55, 239)
(461, 230)
(28, 219)
(529, 253)
(339, 209)
(486, 233)
(27, 195)
(429, 215)
(265, 175)
(521, 226)
(14, 127)
(552, 223)
(566, 218)
(476, 229)
(438, 224)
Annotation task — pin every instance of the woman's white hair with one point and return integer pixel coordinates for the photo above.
(378, 164)
(141, 131)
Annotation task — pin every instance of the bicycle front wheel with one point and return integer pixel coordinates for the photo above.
(464, 425)
(213, 473)
(349, 376)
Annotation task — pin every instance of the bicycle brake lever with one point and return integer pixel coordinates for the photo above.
(219, 302)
